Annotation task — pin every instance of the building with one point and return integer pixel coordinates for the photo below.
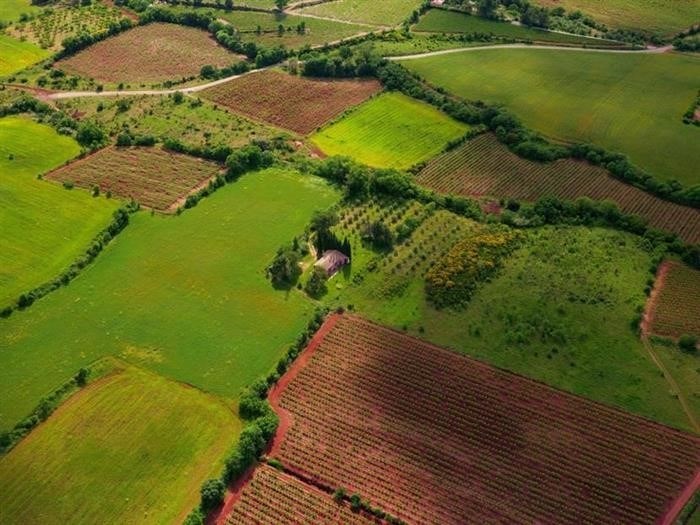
(331, 261)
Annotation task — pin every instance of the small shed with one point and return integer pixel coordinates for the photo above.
(331, 261)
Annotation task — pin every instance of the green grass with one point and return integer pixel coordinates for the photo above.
(559, 311)
(627, 103)
(655, 16)
(44, 227)
(387, 13)
(12, 9)
(391, 130)
(15, 55)
(442, 21)
(186, 296)
(132, 447)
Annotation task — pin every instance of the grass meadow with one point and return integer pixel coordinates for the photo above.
(12, 9)
(390, 131)
(131, 447)
(603, 98)
(44, 227)
(16, 55)
(559, 311)
(148, 296)
(657, 16)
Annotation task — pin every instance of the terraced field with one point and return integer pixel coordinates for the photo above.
(485, 445)
(103, 457)
(16, 55)
(676, 307)
(171, 52)
(153, 177)
(390, 131)
(291, 102)
(485, 167)
(44, 227)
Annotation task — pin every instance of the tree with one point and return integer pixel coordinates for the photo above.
(284, 270)
(207, 71)
(228, 5)
(90, 135)
(688, 343)
(487, 8)
(212, 493)
(281, 4)
(323, 220)
(316, 285)
(378, 235)
(81, 377)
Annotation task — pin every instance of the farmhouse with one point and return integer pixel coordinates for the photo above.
(332, 261)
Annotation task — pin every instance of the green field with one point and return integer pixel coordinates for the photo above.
(442, 21)
(390, 131)
(43, 227)
(387, 13)
(607, 99)
(16, 55)
(183, 295)
(132, 447)
(12, 9)
(657, 16)
(559, 311)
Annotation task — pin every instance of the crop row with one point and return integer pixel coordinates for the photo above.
(432, 436)
(484, 166)
(677, 310)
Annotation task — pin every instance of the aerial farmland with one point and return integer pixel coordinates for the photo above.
(406, 262)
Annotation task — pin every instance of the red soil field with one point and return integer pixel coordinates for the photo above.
(674, 307)
(435, 437)
(291, 102)
(150, 53)
(485, 167)
(272, 496)
(153, 177)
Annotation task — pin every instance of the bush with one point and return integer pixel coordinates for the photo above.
(195, 518)
(81, 377)
(316, 285)
(688, 343)
(212, 493)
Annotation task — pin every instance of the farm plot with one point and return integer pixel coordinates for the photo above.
(289, 101)
(15, 55)
(151, 53)
(387, 13)
(183, 295)
(13, 9)
(43, 227)
(153, 177)
(51, 26)
(390, 131)
(273, 494)
(483, 166)
(431, 436)
(601, 98)
(97, 459)
(677, 305)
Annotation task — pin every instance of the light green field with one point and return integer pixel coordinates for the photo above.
(43, 227)
(387, 13)
(658, 16)
(390, 131)
(10, 10)
(442, 21)
(631, 104)
(183, 295)
(559, 311)
(132, 447)
(16, 55)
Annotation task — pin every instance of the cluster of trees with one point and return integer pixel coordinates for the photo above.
(284, 271)
(687, 40)
(343, 62)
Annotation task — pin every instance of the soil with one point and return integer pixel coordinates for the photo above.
(648, 316)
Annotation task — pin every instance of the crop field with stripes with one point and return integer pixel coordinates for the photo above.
(485, 167)
(677, 309)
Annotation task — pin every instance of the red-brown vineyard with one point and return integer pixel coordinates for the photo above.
(431, 436)
(483, 166)
(289, 101)
(675, 302)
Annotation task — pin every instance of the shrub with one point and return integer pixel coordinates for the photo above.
(316, 285)
(688, 343)
(212, 493)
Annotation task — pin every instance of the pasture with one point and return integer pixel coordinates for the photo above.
(477, 434)
(485, 167)
(186, 296)
(16, 55)
(603, 98)
(387, 13)
(291, 102)
(131, 447)
(195, 121)
(653, 16)
(390, 131)
(44, 227)
(151, 53)
(153, 177)
(442, 21)
(12, 9)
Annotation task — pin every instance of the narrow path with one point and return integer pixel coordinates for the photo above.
(673, 384)
(648, 51)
